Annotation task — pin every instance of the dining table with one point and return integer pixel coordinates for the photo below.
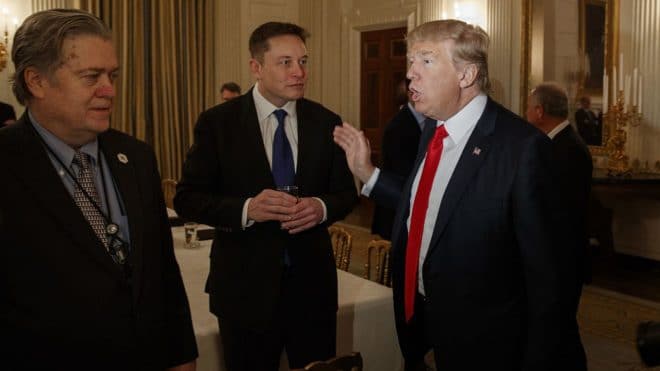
(365, 317)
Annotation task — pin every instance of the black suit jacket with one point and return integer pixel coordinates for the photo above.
(400, 144)
(225, 166)
(589, 127)
(492, 272)
(6, 113)
(65, 303)
(574, 167)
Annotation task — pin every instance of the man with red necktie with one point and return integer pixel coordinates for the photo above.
(478, 251)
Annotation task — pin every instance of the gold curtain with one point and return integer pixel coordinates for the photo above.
(165, 50)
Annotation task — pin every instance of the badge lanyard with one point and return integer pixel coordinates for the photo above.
(116, 246)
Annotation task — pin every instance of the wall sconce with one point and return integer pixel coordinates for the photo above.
(4, 43)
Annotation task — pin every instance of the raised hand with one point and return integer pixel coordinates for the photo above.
(357, 149)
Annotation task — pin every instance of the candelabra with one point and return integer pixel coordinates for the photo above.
(618, 118)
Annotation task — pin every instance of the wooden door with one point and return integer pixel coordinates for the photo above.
(383, 68)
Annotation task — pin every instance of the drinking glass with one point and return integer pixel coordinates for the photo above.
(190, 229)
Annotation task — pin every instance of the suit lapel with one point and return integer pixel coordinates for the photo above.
(124, 176)
(34, 168)
(475, 152)
(308, 145)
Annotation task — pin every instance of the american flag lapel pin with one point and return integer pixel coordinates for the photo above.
(476, 151)
(122, 158)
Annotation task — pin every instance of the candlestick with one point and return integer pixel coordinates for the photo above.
(634, 87)
(621, 69)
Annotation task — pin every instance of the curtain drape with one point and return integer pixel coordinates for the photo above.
(165, 51)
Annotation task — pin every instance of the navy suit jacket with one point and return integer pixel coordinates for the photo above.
(492, 274)
(226, 165)
(64, 301)
(400, 144)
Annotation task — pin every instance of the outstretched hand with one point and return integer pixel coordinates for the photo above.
(357, 149)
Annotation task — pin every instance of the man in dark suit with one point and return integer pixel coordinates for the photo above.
(89, 280)
(400, 144)
(7, 114)
(547, 109)
(273, 282)
(477, 244)
(588, 125)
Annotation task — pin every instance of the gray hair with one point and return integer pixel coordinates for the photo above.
(38, 42)
(470, 44)
(552, 97)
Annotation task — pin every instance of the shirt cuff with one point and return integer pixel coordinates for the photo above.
(325, 210)
(245, 223)
(369, 185)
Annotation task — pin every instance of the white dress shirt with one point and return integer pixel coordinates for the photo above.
(268, 124)
(459, 128)
(553, 133)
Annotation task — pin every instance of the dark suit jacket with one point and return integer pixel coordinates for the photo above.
(589, 127)
(574, 167)
(400, 144)
(226, 165)
(65, 304)
(6, 113)
(492, 272)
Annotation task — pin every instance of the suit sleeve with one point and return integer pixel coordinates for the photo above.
(198, 195)
(540, 239)
(182, 347)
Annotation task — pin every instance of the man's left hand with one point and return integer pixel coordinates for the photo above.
(307, 213)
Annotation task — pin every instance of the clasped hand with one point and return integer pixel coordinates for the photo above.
(294, 214)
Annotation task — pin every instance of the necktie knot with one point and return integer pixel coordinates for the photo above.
(280, 114)
(439, 135)
(81, 160)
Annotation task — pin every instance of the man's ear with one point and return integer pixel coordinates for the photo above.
(469, 75)
(36, 82)
(255, 68)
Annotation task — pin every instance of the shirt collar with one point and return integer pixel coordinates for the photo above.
(464, 121)
(62, 150)
(266, 108)
(553, 133)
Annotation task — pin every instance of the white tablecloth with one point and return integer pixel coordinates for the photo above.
(365, 320)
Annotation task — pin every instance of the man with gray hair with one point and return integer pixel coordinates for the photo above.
(547, 109)
(476, 253)
(89, 280)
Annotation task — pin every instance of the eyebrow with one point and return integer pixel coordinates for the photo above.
(96, 70)
(422, 53)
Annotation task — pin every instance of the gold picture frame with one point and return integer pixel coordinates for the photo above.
(611, 29)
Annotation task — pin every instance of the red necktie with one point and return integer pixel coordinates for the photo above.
(420, 205)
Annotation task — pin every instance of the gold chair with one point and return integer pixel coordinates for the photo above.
(350, 362)
(382, 259)
(169, 190)
(342, 243)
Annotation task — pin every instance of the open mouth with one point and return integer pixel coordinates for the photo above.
(415, 94)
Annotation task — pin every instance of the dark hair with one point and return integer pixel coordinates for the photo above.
(231, 86)
(38, 42)
(552, 98)
(259, 38)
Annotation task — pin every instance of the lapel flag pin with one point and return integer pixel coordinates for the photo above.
(122, 158)
(476, 151)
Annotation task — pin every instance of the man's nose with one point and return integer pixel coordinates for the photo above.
(106, 90)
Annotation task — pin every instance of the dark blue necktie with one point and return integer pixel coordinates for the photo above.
(283, 170)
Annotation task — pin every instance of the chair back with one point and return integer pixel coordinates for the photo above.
(381, 250)
(350, 362)
(342, 244)
(169, 190)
